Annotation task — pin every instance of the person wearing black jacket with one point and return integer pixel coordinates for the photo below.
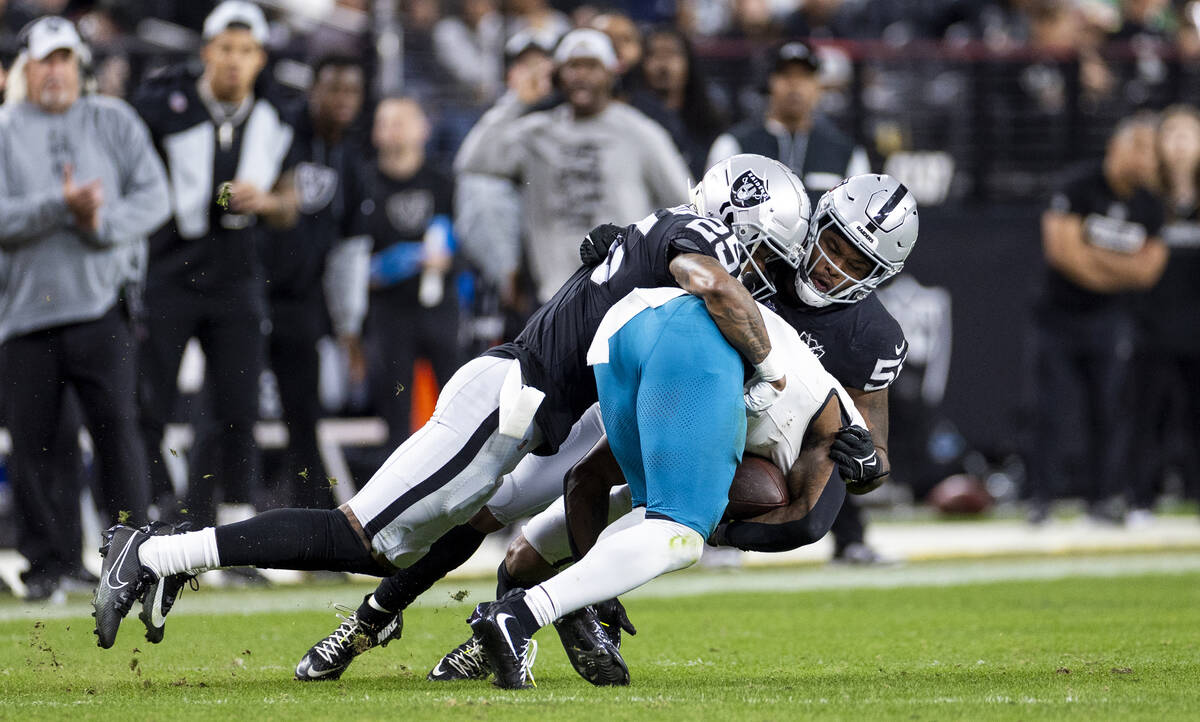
(226, 147)
(303, 262)
(792, 131)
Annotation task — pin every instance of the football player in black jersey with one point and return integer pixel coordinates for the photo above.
(861, 233)
(515, 399)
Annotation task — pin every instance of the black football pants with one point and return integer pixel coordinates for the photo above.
(397, 334)
(1083, 365)
(296, 326)
(229, 325)
(97, 359)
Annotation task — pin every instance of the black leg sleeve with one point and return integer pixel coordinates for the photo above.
(448, 553)
(305, 539)
(505, 582)
(848, 526)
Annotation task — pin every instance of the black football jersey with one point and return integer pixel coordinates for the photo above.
(860, 344)
(399, 212)
(552, 348)
(1118, 224)
(329, 182)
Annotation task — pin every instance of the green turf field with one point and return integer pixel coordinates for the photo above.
(1119, 647)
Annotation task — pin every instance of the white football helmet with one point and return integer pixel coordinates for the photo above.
(877, 215)
(766, 207)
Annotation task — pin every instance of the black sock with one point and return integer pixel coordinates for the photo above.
(505, 581)
(371, 615)
(304, 539)
(447, 554)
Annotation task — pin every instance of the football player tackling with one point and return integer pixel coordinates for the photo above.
(494, 411)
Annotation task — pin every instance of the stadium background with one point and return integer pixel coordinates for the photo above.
(978, 106)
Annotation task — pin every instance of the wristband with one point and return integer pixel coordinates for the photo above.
(770, 369)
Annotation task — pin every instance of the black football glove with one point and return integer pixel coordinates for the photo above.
(596, 243)
(857, 460)
(612, 616)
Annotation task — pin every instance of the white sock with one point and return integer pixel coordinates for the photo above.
(194, 551)
(630, 553)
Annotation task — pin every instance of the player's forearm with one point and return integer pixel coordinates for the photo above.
(739, 321)
(800, 523)
(729, 303)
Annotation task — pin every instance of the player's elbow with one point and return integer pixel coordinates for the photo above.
(700, 276)
(718, 289)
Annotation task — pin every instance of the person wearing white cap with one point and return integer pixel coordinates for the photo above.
(591, 160)
(71, 250)
(228, 153)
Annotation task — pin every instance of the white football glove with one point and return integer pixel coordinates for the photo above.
(760, 395)
(760, 392)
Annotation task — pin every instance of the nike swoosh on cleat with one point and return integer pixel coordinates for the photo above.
(437, 671)
(114, 571)
(312, 673)
(504, 630)
(156, 616)
(383, 633)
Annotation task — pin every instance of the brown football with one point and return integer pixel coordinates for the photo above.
(758, 487)
(960, 494)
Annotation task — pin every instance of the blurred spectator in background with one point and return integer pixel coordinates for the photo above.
(793, 132)
(469, 44)
(422, 77)
(671, 91)
(80, 190)
(537, 18)
(345, 31)
(752, 20)
(219, 136)
(625, 37)
(1168, 357)
(487, 208)
(588, 161)
(849, 18)
(414, 307)
(470, 52)
(1100, 240)
(329, 197)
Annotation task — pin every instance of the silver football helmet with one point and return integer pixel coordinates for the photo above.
(877, 216)
(766, 207)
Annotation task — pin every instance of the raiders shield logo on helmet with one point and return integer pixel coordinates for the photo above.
(748, 190)
(315, 186)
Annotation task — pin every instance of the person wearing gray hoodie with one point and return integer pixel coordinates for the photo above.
(81, 188)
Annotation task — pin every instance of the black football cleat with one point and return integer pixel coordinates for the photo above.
(507, 642)
(330, 657)
(466, 661)
(123, 580)
(592, 652)
(160, 594)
